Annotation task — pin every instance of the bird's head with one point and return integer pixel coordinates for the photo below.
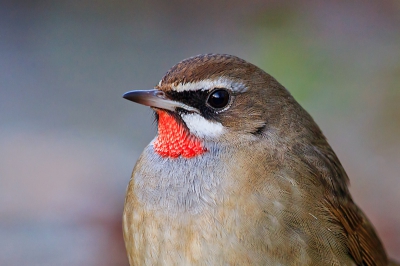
(215, 98)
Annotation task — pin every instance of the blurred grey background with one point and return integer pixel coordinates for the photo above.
(68, 141)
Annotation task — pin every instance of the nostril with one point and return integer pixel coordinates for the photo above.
(160, 94)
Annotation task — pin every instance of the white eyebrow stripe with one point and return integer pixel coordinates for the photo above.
(209, 84)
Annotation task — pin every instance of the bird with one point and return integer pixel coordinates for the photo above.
(239, 174)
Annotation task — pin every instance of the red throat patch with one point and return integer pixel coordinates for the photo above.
(174, 140)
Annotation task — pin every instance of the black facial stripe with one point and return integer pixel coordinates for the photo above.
(196, 99)
(192, 98)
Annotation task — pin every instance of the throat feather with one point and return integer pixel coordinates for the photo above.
(174, 140)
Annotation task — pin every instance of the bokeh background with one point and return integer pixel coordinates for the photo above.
(68, 141)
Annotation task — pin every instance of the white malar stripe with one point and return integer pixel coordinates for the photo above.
(201, 127)
(209, 84)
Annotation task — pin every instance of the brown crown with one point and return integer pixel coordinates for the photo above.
(208, 66)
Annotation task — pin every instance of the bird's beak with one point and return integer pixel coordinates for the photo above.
(156, 98)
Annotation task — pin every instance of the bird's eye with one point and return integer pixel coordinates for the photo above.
(218, 98)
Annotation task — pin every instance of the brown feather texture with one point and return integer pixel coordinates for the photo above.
(269, 190)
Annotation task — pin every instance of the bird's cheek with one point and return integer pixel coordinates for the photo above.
(201, 127)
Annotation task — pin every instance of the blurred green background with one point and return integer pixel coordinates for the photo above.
(68, 141)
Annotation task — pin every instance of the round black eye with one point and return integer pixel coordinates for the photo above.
(218, 98)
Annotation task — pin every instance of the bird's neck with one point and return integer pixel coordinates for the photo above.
(174, 139)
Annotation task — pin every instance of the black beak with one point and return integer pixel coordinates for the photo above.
(156, 98)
